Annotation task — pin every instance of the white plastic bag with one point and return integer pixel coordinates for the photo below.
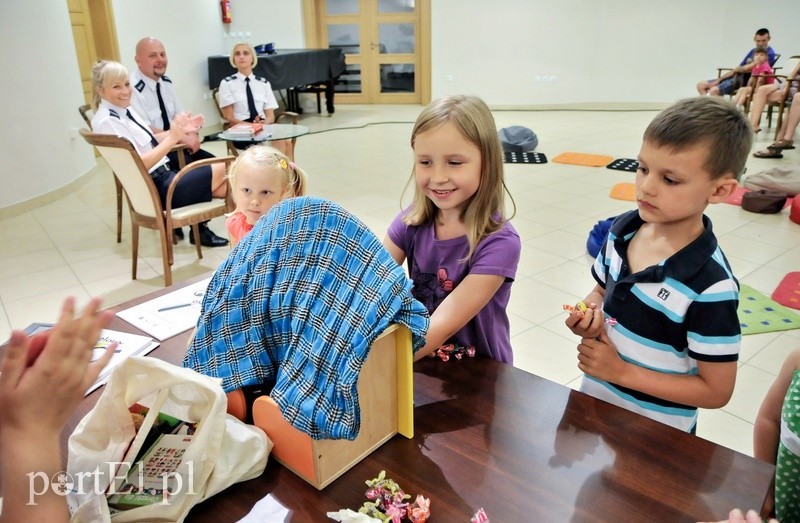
(222, 451)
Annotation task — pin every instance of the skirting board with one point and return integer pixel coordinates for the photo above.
(586, 106)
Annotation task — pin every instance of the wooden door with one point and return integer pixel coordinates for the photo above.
(387, 46)
(95, 37)
(81, 20)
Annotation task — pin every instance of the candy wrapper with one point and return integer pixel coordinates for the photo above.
(387, 503)
(453, 350)
(480, 517)
(581, 306)
(351, 516)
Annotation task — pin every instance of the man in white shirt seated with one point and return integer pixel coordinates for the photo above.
(155, 99)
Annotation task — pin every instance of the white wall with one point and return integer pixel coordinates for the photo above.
(190, 35)
(598, 50)
(39, 98)
(615, 51)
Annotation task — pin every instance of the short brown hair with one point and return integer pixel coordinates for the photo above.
(706, 120)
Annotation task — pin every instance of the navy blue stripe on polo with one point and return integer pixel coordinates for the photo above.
(669, 316)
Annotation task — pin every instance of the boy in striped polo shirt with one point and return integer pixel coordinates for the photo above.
(660, 332)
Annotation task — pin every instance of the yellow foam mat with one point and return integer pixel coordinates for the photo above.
(591, 160)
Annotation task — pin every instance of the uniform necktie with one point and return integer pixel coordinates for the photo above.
(251, 103)
(164, 117)
(145, 129)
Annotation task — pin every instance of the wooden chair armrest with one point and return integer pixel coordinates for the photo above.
(199, 163)
(178, 147)
(288, 114)
(720, 70)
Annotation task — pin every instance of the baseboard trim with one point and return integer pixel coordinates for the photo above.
(17, 209)
(587, 106)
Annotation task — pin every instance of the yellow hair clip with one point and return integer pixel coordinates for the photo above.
(283, 164)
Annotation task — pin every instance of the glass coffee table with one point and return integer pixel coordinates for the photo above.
(271, 132)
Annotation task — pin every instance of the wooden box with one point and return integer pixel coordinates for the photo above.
(386, 397)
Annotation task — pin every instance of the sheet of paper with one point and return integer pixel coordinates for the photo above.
(127, 345)
(170, 314)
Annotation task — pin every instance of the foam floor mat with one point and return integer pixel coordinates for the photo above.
(624, 191)
(788, 291)
(758, 313)
(624, 164)
(526, 157)
(589, 160)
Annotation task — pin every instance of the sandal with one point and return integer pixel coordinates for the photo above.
(780, 145)
(769, 153)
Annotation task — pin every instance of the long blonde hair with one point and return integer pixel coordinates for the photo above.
(265, 158)
(485, 212)
(104, 70)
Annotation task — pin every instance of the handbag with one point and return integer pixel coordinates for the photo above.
(221, 451)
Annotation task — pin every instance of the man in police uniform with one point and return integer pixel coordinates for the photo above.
(154, 98)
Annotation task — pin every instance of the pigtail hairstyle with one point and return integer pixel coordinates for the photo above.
(485, 212)
(265, 158)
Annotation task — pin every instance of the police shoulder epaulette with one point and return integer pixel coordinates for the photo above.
(229, 78)
(166, 79)
(139, 85)
(261, 79)
(113, 113)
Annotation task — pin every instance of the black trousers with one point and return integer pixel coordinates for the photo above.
(188, 157)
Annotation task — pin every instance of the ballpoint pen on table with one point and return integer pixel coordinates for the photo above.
(170, 307)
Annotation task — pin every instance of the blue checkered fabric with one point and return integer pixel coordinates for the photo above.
(300, 300)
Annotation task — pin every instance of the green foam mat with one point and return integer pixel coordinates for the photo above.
(758, 313)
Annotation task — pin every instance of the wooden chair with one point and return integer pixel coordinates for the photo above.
(292, 117)
(782, 105)
(144, 201)
(739, 79)
(87, 113)
(233, 151)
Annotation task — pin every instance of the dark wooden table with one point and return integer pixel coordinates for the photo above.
(522, 447)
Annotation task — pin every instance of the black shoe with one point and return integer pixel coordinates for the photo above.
(208, 238)
(178, 232)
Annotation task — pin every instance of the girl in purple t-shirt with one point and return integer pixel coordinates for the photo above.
(462, 252)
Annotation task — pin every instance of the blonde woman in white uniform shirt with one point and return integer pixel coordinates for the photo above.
(233, 99)
(114, 115)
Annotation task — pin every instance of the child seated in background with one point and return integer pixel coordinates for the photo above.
(776, 439)
(760, 68)
(462, 251)
(661, 276)
(260, 177)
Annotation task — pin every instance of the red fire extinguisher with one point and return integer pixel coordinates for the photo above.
(225, 6)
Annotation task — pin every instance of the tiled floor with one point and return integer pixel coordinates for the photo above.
(361, 158)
